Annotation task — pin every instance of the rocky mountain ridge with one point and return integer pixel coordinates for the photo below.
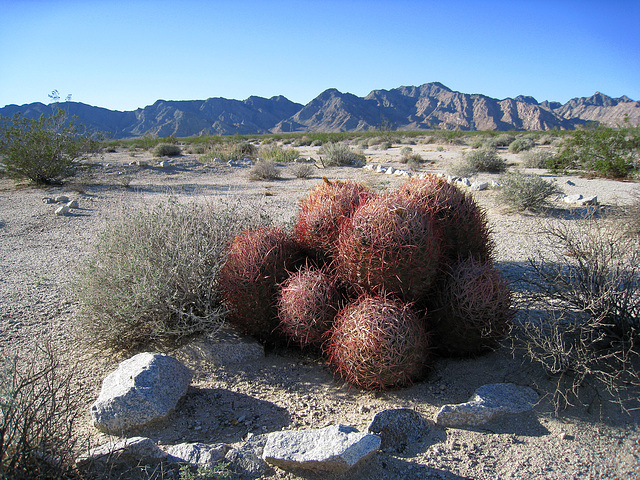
(428, 106)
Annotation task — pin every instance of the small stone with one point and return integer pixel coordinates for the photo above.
(130, 451)
(380, 169)
(73, 204)
(466, 182)
(573, 198)
(200, 454)
(62, 199)
(390, 170)
(48, 200)
(63, 210)
(570, 183)
(164, 164)
(479, 185)
(398, 428)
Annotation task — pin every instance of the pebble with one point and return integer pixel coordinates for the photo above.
(63, 210)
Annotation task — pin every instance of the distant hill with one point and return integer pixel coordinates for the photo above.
(429, 106)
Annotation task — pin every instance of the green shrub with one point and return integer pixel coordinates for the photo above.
(264, 170)
(167, 150)
(153, 276)
(340, 155)
(612, 152)
(44, 150)
(279, 154)
(38, 413)
(527, 192)
(481, 160)
(582, 300)
(521, 144)
(537, 158)
(302, 170)
(503, 140)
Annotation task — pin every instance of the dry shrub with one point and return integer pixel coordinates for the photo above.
(38, 411)
(583, 302)
(154, 274)
(264, 170)
(523, 191)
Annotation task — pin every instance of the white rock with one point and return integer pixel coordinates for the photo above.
(479, 185)
(390, 170)
(380, 169)
(334, 449)
(143, 389)
(164, 164)
(200, 454)
(73, 204)
(465, 181)
(573, 198)
(63, 210)
(487, 403)
(62, 199)
(130, 451)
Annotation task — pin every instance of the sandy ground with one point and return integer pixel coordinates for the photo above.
(288, 389)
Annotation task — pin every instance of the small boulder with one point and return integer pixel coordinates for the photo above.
(398, 428)
(63, 210)
(478, 186)
(487, 403)
(62, 199)
(247, 460)
(335, 448)
(48, 200)
(73, 204)
(200, 454)
(129, 451)
(143, 389)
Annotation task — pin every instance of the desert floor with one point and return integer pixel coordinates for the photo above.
(39, 253)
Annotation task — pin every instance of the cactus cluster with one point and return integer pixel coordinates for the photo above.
(378, 281)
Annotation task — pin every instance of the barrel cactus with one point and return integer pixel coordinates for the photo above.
(257, 262)
(472, 312)
(464, 225)
(378, 342)
(390, 245)
(322, 212)
(308, 302)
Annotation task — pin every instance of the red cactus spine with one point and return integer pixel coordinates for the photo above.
(378, 343)
(323, 211)
(257, 262)
(464, 225)
(473, 312)
(390, 245)
(308, 303)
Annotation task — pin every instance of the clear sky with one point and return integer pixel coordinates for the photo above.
(127, 54)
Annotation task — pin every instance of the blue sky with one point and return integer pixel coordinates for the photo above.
(127, 54)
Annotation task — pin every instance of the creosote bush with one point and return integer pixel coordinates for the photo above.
(521, 144)
(154, 274)
(44, 150)
(523, 191)
(167, 150)
(537, 158)
(582, 297)
(276, 153)
(264, 170)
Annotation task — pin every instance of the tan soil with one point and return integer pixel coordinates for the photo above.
(288, 389)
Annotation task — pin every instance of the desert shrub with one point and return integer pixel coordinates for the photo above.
(406, 151)
(378, 343)
(477, 143)
(521, 144)
(631, 217)
(38, 412)
(278, 154)
(481, 160)
(154, 274)
(44, 150)
(612, 152)
(582, 297)
(339, 155)
(503, 140)
(472, 311)
(390, 245)
(537, 158)
(522, 191)
(463, 223)
(167, 150)
(303, 170)
(264, 170)
(415, 161)
(322, 212)
(258, 261)
(308, 301)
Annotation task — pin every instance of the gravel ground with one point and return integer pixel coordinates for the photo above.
(39, 252)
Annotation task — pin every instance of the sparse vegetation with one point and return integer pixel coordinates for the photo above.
(167, 150)
(582, 301)
(480, 160)
(521, 144)
(264, 170)
(340, 155)
(154, 274)
(276, 153)
(611, 152)
(44, 150)
(303, 170)
(527, 192)
(537, 158)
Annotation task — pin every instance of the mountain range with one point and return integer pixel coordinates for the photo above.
(426, 107)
